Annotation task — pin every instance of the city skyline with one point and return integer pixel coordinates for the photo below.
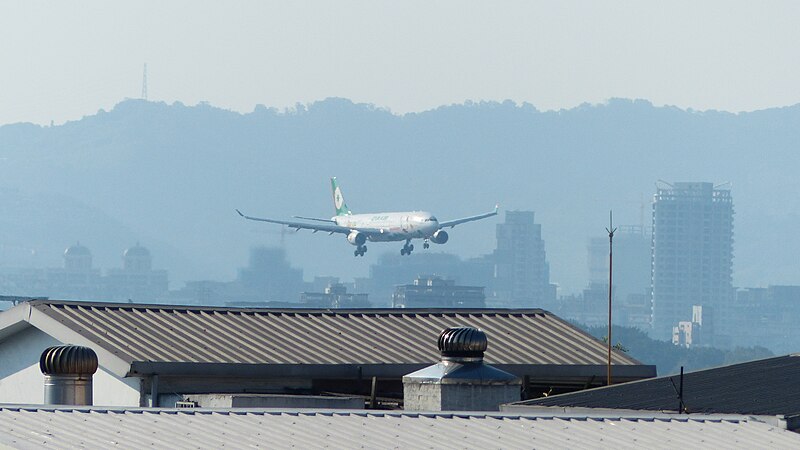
(593, 273)
(691, 222)
(487, 153)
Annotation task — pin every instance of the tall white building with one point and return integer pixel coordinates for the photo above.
(692, 252)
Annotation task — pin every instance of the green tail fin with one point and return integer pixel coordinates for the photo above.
(338, 199)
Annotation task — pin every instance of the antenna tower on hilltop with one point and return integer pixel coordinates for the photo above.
(144, 82)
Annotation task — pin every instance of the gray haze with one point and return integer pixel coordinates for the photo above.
(171, 176)
(63, 60)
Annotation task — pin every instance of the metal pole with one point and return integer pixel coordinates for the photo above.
(373, 393)
(680, 396)
(610, 231)
(154, 391)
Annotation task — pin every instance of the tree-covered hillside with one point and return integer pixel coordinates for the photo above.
(669, 358)
(173, 174)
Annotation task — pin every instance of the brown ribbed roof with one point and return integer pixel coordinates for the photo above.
(157, 333)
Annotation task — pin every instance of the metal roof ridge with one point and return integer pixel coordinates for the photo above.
(578, 415)
(728, 366)
(298, 310)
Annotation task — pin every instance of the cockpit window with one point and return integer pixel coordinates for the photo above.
(432, 219)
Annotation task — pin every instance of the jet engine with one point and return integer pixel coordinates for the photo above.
(440, 237)
(357, 239)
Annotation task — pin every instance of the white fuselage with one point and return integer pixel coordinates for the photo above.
(394, 226)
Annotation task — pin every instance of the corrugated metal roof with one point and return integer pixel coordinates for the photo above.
(158, 333)
(768, 386)
(35, 427)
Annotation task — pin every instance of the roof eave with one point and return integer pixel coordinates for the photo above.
(24, 315)
(563, 373)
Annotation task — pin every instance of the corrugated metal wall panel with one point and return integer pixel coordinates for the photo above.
(767, 386)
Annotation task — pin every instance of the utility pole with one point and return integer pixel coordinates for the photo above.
(610, 231)
(144, 82)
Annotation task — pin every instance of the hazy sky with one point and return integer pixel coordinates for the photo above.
(62, 60)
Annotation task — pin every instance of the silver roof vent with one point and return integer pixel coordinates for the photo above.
(462, 342)
(68, 371)
(68, 360)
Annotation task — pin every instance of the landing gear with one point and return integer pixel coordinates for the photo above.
(408, 248)
(360, 250)
(425, 244)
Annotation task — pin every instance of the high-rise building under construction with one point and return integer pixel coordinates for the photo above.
(522, 274)
(692, 252)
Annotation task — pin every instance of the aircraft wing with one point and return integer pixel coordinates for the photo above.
(452, 223)
(316, 219)
(329, 228)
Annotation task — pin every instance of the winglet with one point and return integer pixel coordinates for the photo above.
(496, 207)
(240, 213)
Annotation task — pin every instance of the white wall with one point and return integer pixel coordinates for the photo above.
(110, 390)
(22, 382)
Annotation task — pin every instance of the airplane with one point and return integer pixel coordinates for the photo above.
(377, 227)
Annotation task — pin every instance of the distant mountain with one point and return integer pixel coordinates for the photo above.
(176, 173)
